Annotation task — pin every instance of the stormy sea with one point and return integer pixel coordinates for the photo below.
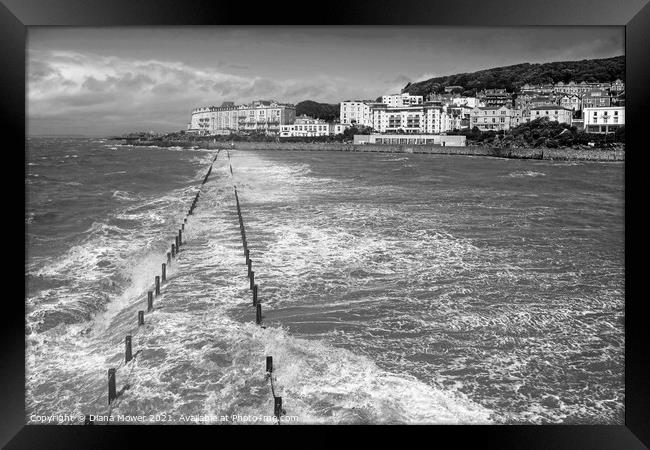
(395, 288)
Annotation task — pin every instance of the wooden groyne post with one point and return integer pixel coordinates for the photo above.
(128, 354)
(164, 272)
(150, 301)
(157, 285)
(112, 392)
(277, 408)
(140, 318)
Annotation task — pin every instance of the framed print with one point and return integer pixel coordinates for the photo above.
(375, 215)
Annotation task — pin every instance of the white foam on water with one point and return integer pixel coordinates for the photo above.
(324, 384)
(526, 173)
(202, 354)
(123, 195)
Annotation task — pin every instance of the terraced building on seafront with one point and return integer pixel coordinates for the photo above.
(266, 116)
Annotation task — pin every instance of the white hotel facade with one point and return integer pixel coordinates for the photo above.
(261, 116)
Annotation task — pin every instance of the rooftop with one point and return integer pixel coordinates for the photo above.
(549, 107)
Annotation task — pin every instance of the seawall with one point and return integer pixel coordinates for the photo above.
(521, 153)
(562, 154)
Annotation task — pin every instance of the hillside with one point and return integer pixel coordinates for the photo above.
(512, 77)
(325, 111)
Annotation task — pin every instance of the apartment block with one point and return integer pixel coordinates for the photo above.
(603, 119)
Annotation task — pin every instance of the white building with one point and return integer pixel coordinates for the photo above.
(410, 139)
(263, 116)
(400, 100)
(409, 119)
(603, 119)
(306, 126)
(552, 113)
(356, 112)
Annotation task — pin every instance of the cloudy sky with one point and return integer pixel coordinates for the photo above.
(105, 81)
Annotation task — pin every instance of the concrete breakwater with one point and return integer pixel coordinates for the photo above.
(561, 154)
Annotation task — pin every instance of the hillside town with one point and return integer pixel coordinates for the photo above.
(596, 108)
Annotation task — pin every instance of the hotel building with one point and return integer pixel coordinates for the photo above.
(260, 116)
(265, 116)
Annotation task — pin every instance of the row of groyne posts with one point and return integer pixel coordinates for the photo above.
(278, 411)
(175, 251)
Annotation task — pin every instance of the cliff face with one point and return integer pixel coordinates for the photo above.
(513, 77)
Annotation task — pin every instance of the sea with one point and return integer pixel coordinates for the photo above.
(394, 288)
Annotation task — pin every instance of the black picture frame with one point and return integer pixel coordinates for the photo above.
(634, 15)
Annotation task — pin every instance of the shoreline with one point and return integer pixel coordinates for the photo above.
(548, 154)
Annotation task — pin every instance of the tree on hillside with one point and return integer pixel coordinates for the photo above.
(324, 111)
(513, 77)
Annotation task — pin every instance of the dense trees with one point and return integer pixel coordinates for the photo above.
(513, 77)
(325, 111)
(541, 133)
